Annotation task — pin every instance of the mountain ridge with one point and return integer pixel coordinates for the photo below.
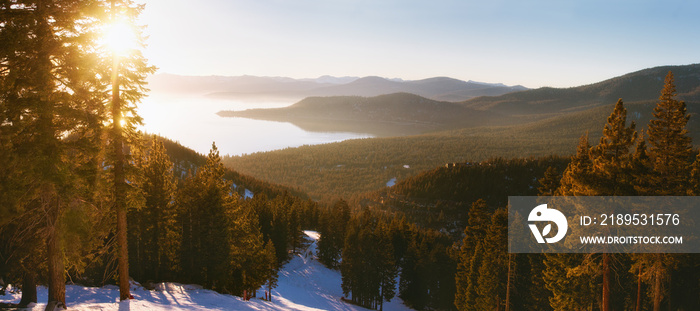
(635, 87)
(384, 115)
(236, 87)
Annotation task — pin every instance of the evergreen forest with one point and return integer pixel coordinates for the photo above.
(87, 198)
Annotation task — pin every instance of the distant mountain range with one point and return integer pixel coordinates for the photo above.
(405, 114)
(439, 88)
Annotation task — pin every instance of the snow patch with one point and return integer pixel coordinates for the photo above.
(304, 284)
(248, 194)
(391, 182)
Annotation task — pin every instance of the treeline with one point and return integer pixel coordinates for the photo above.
(185, 159)
(381, 255)
(354, 167)
(440, 198)
(202, 232)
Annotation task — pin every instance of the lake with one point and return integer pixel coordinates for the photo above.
(192, 121)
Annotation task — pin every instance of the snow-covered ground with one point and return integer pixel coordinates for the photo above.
(304, 284)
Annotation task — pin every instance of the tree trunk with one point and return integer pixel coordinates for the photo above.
(605, 303)
(657, 283)
(639, 290)
(57, 281)
(28, 289)
(509, 282)
(119, 180)
(124, 293)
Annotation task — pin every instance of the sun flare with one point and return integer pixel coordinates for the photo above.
(120, 37)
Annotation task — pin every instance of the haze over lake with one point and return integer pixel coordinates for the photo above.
(192, 121)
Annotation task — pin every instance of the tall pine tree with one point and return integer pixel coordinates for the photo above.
(493, 273)
(154, 237)
(470, 255)
(51, 112)
(670, 152)
(669, 144)
(128, 79)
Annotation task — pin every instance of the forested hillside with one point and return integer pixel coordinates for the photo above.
(397, 114)
(440, 198)
(357, 166)
(186, 160)
(638, 87)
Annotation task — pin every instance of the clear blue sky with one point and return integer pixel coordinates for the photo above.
(530, 42)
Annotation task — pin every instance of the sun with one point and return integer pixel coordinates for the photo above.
(120, 37)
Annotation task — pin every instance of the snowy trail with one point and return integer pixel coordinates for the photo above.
(304, 284)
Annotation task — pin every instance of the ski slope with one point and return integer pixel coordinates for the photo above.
(304, 284)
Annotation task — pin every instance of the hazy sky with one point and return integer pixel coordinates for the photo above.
(530, 42)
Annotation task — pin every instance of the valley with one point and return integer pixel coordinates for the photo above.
(533, 123)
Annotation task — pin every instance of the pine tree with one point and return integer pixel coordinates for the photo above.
(412, 285)
(537, 295)
(203, 201)
(154, 237)
(612, 177)
(368, 268)
(388, 270)
(641, 166)
(669, 144)
(670, 151)
(467, 267)
(578, 174)
(128, 79)
(695, 177)
(21, 253)
(493, 273)
(48, 92)
(470, 292)
(569, 291)
(272, 268)
(550, 182)
(611, 157)
(222, 246)
(333, 233)
(351, 253)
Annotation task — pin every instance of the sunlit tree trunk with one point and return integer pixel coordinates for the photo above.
(119, 185)
(605, 303)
